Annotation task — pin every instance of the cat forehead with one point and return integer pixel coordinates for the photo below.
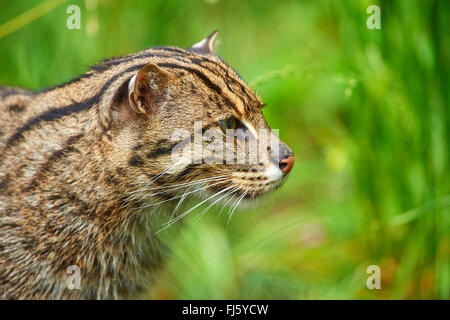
(206, 71)
(217, 76)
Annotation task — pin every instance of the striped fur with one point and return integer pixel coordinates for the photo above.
(80, 172)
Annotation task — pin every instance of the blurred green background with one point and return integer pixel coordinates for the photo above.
(365, 111)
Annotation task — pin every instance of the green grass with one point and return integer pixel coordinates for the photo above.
(365, 111)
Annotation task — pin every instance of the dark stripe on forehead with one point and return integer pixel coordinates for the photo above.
(200, 60)
(198, 73)
(172, 49)
(181, 55)
(203, 78)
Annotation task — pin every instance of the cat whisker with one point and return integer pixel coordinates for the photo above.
(179, 187)
(159, 175)
(179, 204)
(171, 222)
(190, 192)
(233, 195)
(188, 183)
(237, 204)
(212, 204)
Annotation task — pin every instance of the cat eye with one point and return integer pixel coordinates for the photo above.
(227, 124)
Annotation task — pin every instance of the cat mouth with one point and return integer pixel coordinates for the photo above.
(262, 189)
(249, 188)
(224, 191)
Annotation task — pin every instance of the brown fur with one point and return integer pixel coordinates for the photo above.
(80, 167)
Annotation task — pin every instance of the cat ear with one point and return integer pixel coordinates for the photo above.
(205, 46)
(147, 87)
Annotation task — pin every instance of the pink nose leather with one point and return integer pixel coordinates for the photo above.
(287, 164)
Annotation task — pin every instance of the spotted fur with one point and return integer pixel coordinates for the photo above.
(83, 165)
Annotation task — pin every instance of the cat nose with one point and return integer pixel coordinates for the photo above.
(287, 164)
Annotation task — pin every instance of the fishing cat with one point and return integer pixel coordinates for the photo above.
(83, 163)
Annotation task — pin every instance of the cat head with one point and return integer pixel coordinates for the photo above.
(189, 125)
